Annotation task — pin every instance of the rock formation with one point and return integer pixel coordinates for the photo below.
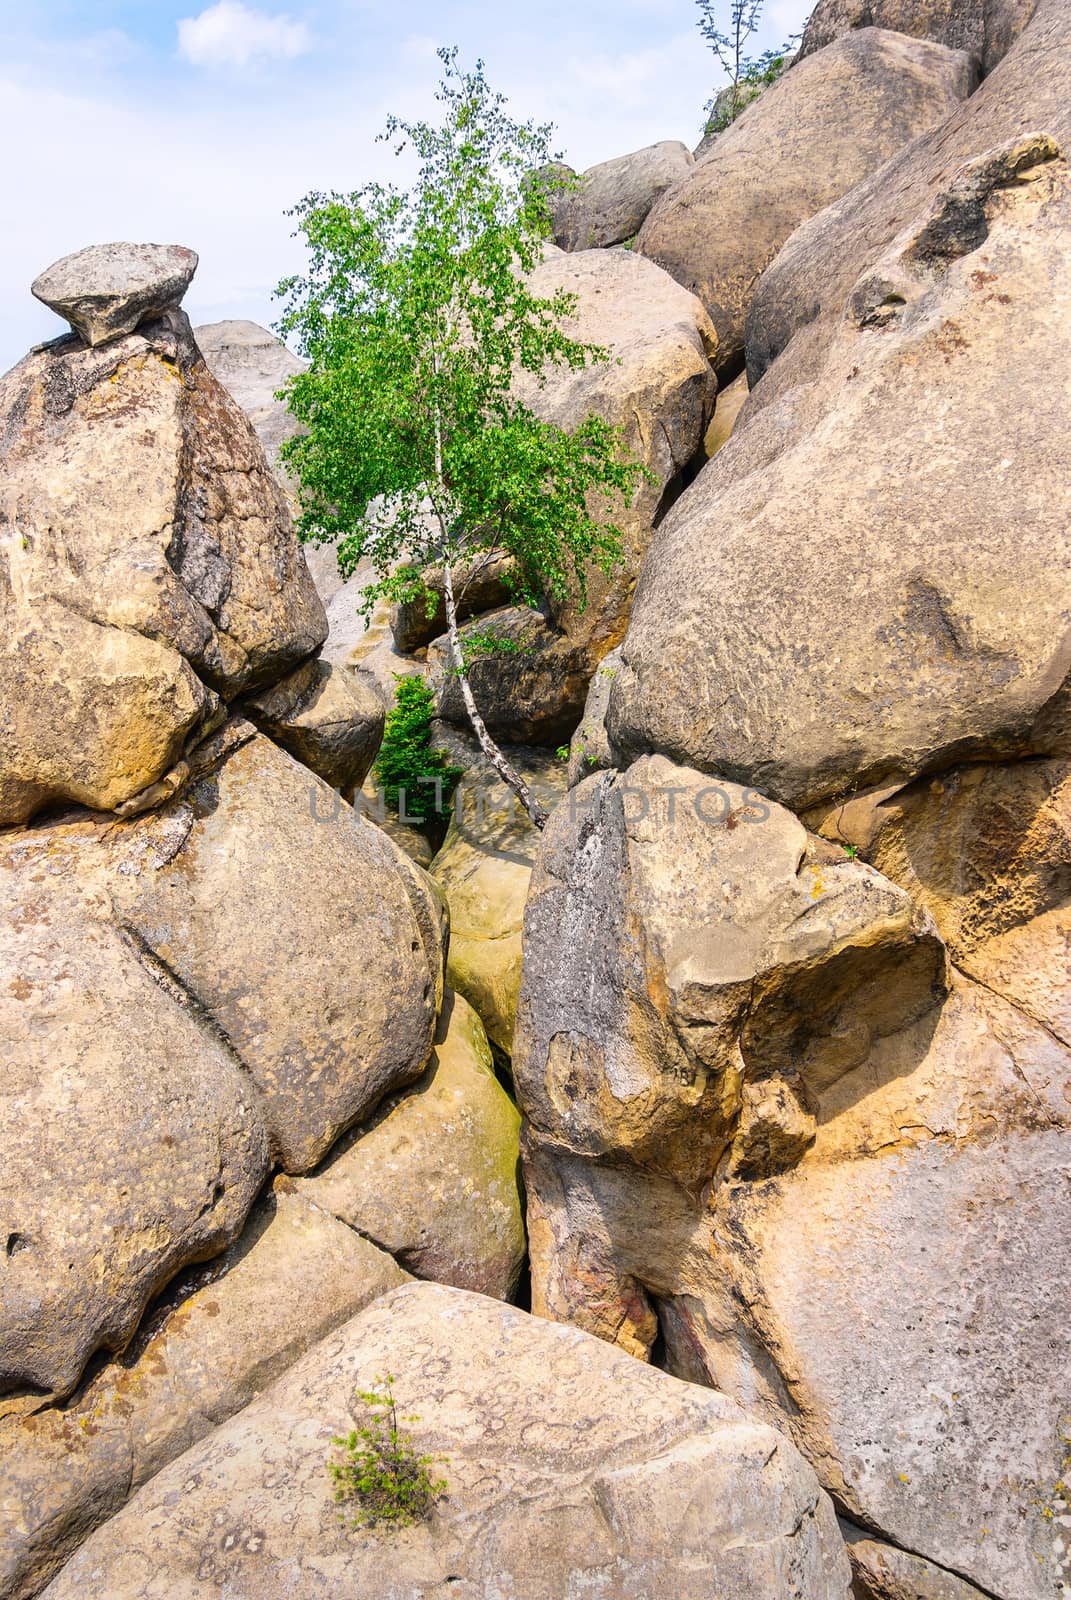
(872, 506)
(846, 1207)
(149, 569)
(985, 29)
(824, 126)
(108, 290)
(565, 1464)
(483, 868)
(781, 989)
(434, 1178)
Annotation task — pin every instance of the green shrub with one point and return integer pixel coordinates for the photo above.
(406, 757)
(378, 1472)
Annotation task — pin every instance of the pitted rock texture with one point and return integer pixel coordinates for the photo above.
(683, 936)
(824, 126)
(871, 579)
(434, 1179)
(572, 1471)
(105, 291)
(148, 567)
(610, 201)
(219, 1335)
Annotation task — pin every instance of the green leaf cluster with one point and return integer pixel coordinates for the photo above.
(415, 315)
(377, 1472)
(406, 764)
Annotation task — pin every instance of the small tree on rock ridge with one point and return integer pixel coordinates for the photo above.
(414, 315)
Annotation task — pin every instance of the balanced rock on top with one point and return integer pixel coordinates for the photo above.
(108, 289)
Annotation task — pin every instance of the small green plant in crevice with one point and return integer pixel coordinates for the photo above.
(417, 781)
(379, 1476)
(850, 850)
(562, 752)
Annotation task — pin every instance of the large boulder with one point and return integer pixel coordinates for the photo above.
(823, 127)
(985, 29)
(571, 1471)
(148, 566)
(328, 718)
(531, 690)
(434, 1178)
(133, 1141)
(937, 1166)
(871, 579)
(299, 928)
(283, 961)
(799, 302)
(483, 868)
(763, 958)
(216, 1340)
(657, 386)
(480, 585)
(610, 201)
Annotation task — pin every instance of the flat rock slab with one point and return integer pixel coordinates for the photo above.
(107, 289)
(571, 1469)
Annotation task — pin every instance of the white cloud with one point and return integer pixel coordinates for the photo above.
(230, 34)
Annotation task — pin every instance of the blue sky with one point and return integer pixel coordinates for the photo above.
(199, 124)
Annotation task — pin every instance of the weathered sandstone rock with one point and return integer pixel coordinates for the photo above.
(571, 1471)
(589, 749)
(132, 1147)
(328, 718)
(985, 29)
(147, 567)
(298, 928)
(731, 401)
(987, 851)
(823, 127)
(531, 692)
(758, 955)
(106, 290)
(611, 200)
(799, 302)
(283, 962)
(892, 1298)
(881, 1572)
(216, 1340)
(484, 868)
(844, 596)
(479, 586)
(434, 1178)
